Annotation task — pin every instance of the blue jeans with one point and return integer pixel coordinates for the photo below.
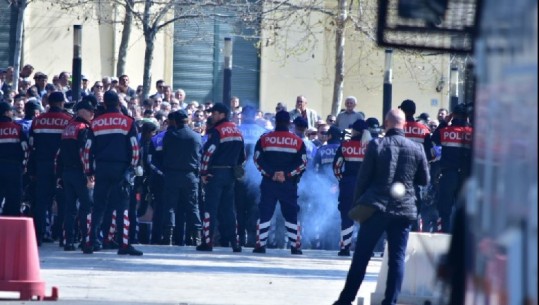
(397, 230)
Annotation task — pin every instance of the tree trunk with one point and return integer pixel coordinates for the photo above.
(124, 43)
(338, 83)
(18, 45)
(148, 60)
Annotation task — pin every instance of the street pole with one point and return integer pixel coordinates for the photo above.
(227, 79)
(77, 63)
(388, 86)
(453, 88)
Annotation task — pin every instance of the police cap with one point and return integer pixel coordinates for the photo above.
(408, 106)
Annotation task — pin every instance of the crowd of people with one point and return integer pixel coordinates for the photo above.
(202, 174)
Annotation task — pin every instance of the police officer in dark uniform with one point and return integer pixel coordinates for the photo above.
(113, 147)
(13, 157)
(456, 141)
(70, 166)
(155, 188)
(419, 133)
(281, 158)
(45, 137)
(223, 155)
(326, 236)
(181, 164)
(247, 191)
(346, 164)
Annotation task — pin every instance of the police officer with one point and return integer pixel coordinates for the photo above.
(181, 165)
(281, 158)
(111, 152)
(70, 166)
(419, 133)
(247, 190)
(155, 189)
(456, 141)
(223, 155)
(45, 136)
(13, 157)
(323, 161)
(346, 164)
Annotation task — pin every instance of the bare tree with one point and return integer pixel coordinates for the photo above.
(21, 5)
(124, 43)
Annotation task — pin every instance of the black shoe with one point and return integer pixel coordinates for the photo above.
(259, 250)
(111, 245)
(296, 251)
(87, 249)
(236, 249)
(97, 247)
(129, 250)
(204, 247)
(70, 247)
(344, 252)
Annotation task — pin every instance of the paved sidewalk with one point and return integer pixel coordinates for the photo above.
(183, 276)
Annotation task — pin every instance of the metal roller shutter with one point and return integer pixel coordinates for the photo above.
(198, 61)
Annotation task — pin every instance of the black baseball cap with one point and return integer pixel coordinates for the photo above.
(360, 125)
(220, 107)
(300, 122)
(408, 106)
(56, 97)
(4, 106)
(282, 116)
(84, 104)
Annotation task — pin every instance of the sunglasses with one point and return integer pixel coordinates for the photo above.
(332, 121)
(324, 133)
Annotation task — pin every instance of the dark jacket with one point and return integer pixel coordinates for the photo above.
(224, 148)
(280, 150)
(456, 142)
(181, 150)
(113, 138)
(13, 142)
(390, 159)
(349, 157)
(71, 152)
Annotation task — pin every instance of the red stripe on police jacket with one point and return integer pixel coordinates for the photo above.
(112, 123)
(50, 122)
(416, 131)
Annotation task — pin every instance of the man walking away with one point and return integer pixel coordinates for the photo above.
(391, 162)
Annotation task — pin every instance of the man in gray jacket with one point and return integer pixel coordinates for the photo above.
(391, 167)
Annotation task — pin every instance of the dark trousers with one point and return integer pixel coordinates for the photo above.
(346, 198)
(181, 195)
(450, 184)
(287, 195)
(219, 200)
(246, 212)
(397, 238)
(45, 191)
(75, 187)
(156, 197)
(11, 188)
(109, 191)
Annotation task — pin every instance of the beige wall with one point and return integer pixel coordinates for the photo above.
(288, 68)
(311, 73)
(48, 44)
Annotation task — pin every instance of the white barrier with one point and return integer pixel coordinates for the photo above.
(419, 284)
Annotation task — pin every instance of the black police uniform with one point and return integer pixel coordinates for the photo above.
(223, 151)
(45, 137)
(280, 150)
(456, 141)
(346, 165)
(181, 165)
(113, 147)
(13, 157)
(70, 166)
